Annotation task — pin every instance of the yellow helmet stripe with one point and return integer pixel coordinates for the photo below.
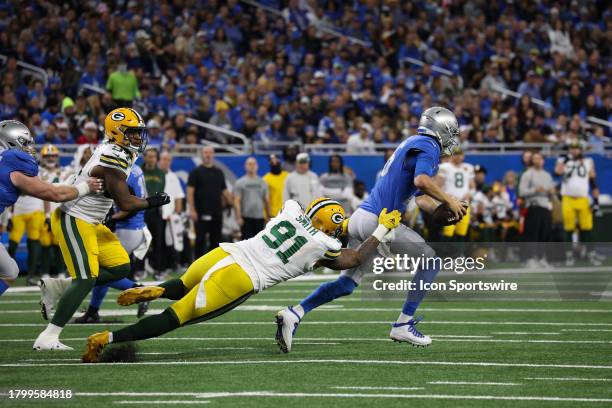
(321, 204)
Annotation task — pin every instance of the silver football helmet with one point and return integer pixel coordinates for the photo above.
(16, 135)
(441, 124)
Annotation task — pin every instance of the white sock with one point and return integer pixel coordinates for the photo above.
(299, 310)
(53, 330)
(403, 318)
(110, 337)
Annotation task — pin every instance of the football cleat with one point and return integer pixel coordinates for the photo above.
(139, 294)
(46, 342)
(95, 344)
(287, 322)
(142, 309)
(51, 289)
(407, 333)
(88, 318)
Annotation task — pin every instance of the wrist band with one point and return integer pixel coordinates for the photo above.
(82, 188)
(380, 232)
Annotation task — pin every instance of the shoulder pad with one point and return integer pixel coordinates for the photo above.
(115, 156)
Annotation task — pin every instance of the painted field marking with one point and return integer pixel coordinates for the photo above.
(588, 330)
(377, 388)
(568, 379)
(328, 361)
(470, 383)
(527, 333)
(168, 402)
(355, 395)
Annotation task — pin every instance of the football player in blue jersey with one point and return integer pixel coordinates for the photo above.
(410, 170)
(18, 174)
(135, 238)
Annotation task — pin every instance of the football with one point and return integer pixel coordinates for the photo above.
(442, 215)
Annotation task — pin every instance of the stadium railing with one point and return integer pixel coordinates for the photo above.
(29, 69)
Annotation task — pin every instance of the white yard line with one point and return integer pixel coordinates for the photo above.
(568, 379)
(527, 333)
(168, 402)
(586, 330)
(470, 383)
(355, 395)
(330, 361)
(377, 388)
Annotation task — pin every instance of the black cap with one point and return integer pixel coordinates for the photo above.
(478, 168)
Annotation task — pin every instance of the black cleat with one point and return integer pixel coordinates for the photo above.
(142, 309)
(279, 335)
(88, 318)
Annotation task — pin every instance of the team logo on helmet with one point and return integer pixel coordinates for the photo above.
(337, 218)
(118, 116)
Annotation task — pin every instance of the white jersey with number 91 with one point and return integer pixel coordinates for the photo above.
(289, 246)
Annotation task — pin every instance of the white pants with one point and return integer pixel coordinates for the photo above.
(363, 223)
(8, 266)
(130, 239)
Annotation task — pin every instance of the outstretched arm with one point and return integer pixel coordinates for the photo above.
(350, 258)
(35, 187)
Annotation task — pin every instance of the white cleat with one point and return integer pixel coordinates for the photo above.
(45, 342)
(594, 259)
(407, 333)
(51, 289)
(287, 322)
(544, 264)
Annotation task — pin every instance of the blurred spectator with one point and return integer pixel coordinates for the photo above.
(251, 203)
(155, 181)
(537, 189)
(90, 134)
(302, 185)
(336, 184)
(171, 213)
(156, 136)
(123, 86)
(63, 134)
(275, 179)
(206, 190)
(361, 142)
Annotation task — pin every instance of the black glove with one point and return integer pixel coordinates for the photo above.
(48, 223)
(109, 221)
(158, 200)
(9, 226)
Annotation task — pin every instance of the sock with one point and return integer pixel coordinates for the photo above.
(97, 297)
(3, 286)
(33, 256)
(569, 236)
(299, 310)
(122, 284)
(327, 292)
(12, 249)
(404, 318)
(148, 327)
(415, 297)
(52, 330)
(175, 289)
(71, 300)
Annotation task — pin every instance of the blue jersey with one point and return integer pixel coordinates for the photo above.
(136, 183)
(416, 155)
(14, 160)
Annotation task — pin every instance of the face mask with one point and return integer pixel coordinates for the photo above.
(275, 168)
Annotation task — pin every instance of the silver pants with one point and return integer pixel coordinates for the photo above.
(8, 266)
(363, 223)
(130, 239)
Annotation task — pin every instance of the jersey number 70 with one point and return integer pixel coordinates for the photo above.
(281, 232)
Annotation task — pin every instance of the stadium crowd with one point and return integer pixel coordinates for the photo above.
(280, 77)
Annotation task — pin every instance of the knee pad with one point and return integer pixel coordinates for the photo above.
(342, 286)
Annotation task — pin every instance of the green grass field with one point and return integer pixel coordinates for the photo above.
(525, 354)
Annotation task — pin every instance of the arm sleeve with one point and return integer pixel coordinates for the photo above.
(191, 180)
(524, 188)
(333, 247)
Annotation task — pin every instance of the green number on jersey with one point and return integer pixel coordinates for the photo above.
(459, 180)
(280, 236)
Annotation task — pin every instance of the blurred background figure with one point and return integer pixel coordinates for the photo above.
(251, 202)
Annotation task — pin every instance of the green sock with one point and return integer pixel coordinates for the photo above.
(46, 259)
(12, 249)
(569, 236)
(71, 300)
(33, 256)
(586, 237)
(148, 327)
(174, 289)
(106, 275)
